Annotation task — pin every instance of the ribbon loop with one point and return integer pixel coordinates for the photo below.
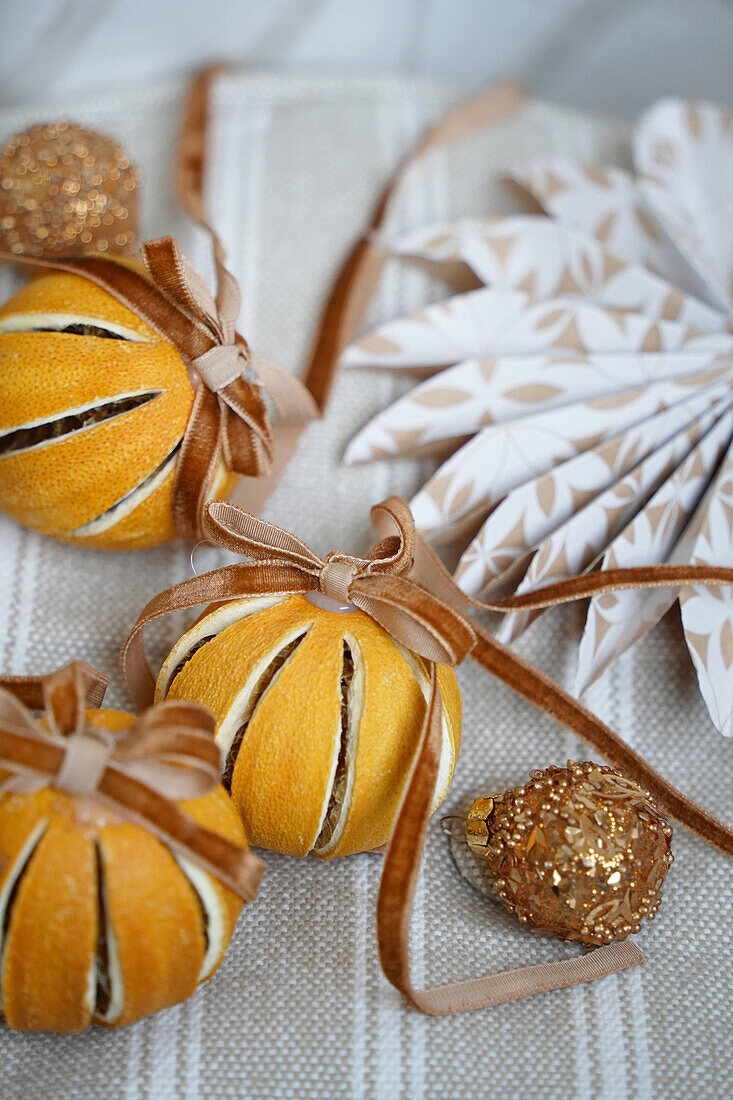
(235, 530)
(221, 365)
(393, 522)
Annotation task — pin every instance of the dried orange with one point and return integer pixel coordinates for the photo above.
(318, 718)
(93, 407)
(100, 921)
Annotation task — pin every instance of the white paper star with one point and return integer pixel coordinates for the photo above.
(585, 392)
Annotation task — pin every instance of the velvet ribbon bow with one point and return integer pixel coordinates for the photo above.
(140, 772)
(229, 419)
(403, 586)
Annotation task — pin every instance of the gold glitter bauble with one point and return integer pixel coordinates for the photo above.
(579, 852)
(65, 190)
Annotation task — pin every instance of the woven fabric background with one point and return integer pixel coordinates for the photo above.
(300, 1007)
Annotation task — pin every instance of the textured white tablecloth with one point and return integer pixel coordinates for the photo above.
(300, 1007)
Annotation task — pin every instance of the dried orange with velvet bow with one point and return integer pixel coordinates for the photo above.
(319, 714)
(319, 709)
(128, 399)
(116, 898)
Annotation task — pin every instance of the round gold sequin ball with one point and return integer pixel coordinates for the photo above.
(65, 190)
(579, 852)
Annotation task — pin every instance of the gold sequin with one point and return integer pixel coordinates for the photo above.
(66, 190)
(578, 852)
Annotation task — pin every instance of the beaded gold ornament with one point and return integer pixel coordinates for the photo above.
(580, 852)
(66, 190)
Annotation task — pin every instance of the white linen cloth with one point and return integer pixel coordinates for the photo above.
(300, 1006)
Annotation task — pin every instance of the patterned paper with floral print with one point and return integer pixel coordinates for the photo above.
(581, 399)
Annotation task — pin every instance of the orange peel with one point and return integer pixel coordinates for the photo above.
(318, 717)
(99, 921)
(93, 408)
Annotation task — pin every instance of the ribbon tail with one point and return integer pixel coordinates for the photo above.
(292, 401)
(295, 408)
(191, 158)
(246, 434)
(296, 403)
(397, 893)
(356, 281)
(197, 463)
(587, 585)
(533, 685)
(230, 583)
(234, 866)
(27, 751)
(549, 697)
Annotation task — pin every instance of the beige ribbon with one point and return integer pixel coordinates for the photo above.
(296, 402)
(141, 772)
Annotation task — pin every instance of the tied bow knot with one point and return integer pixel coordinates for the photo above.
(170, 748)
(86, 757)
(140, 772)
(223, 364)
(386, 585)
(228, 357)
(336, 575)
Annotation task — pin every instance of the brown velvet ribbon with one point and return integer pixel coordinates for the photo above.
(298, 402)
(359, 272)
(229, 419)
(356, 280)
(404, 587)
(139, 773)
